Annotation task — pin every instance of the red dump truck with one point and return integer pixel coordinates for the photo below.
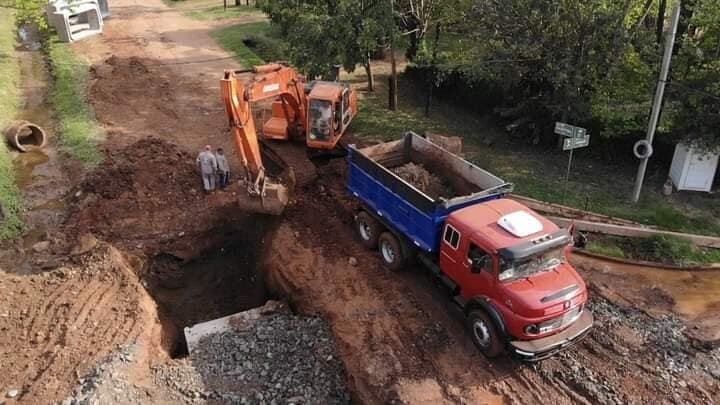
(504, 265)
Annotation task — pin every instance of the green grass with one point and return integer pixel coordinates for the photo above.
(605, 248)
(231, 38)
(660, 248)
(10, 200)
(219, 13)
(79, 133)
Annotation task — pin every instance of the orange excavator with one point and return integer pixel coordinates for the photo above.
(318, 111)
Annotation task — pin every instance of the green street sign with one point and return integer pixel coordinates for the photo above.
(576, 142)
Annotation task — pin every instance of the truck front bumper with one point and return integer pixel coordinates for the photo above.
(534, 350)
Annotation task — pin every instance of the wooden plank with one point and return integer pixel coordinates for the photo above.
(571, 212)
(633, 231)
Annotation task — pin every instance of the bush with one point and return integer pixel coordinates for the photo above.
(269, 49)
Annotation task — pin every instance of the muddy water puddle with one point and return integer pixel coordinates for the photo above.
(41, 174)
(695, 293)
(25, 164)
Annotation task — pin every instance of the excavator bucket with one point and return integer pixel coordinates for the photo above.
(274, 195)
(272, 200)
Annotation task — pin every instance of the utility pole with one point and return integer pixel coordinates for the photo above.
(657, 103)
(392, 90)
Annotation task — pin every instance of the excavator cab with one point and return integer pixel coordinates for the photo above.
(331, 107)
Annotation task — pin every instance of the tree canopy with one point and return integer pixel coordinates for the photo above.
(590, 62)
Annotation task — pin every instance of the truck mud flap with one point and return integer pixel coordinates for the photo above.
(539, 349)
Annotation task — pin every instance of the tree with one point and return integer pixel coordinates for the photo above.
(694, 99)
(549, 56)
(368, 28)
(322, 34)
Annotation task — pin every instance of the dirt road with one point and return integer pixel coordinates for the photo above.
(157, 72)
(166, 264)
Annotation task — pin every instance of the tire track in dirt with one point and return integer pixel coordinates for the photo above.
(91, 306)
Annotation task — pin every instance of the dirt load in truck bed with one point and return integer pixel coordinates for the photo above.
(423, 180)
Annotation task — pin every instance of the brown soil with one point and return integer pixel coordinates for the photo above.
(56, 325)
(423, 180)
(148, 197)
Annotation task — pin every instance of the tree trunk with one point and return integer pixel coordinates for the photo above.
(433, 69)
(368, 72)
(392, 88)
(660, 23)
(686, 14)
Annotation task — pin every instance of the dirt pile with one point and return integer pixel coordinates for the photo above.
(55, 325)
(147, 196)
(423, 180)
(275, 358)
(133, 97)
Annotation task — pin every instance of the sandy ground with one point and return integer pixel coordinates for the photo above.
(398, 340)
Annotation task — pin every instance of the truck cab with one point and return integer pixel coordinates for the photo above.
(512, 278)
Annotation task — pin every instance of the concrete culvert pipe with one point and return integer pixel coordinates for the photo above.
(25, 136)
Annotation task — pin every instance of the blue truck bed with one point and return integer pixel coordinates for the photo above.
(401, 205)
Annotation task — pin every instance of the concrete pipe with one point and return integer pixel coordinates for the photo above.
(25, 136)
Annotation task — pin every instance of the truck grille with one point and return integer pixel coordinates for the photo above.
(561, 321)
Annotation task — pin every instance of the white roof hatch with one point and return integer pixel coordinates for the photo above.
(520, 224)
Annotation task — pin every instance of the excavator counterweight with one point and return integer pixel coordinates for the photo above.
(318, 111)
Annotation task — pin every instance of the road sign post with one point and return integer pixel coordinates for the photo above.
(573, 138)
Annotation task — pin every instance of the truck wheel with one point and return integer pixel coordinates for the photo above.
(368, 228)
(484, 333)
(391, 251)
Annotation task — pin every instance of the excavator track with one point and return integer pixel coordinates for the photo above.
(289, 161)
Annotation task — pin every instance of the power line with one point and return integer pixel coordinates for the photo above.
(694, 90)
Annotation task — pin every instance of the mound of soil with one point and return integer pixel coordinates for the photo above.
(148, 195)
(55, 325)
(423, 180)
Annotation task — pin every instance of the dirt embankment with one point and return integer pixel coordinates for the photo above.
(57, 324)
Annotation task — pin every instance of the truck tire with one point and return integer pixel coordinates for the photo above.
(484, 333)
(368, 229)
(391, 251)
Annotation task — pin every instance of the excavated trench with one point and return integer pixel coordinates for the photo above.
(223, 279)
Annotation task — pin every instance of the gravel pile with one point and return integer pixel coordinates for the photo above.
(278, 359)
(665, 335)
(107, 382)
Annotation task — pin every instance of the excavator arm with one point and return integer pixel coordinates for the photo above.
(271, 82)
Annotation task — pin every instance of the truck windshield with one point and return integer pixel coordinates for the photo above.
(320, 116)
(511, 270)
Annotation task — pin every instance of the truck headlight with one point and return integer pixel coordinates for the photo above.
(531, 329)
(507, 274)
